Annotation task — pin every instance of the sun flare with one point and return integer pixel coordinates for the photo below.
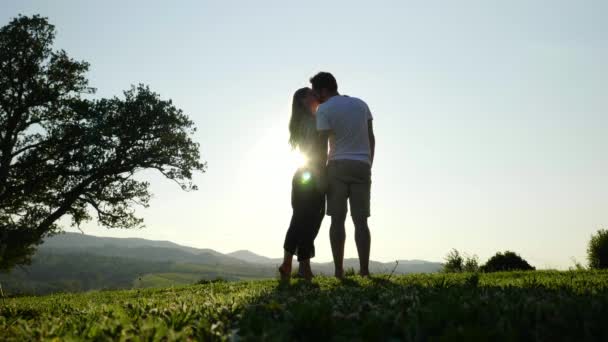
(297, 159)
(280, 164)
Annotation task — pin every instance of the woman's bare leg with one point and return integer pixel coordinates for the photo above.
(305, 269)
(285, 268)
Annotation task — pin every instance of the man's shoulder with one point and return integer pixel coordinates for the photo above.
(327, 106)
(353, 100)
(359, 101)
(337, 103)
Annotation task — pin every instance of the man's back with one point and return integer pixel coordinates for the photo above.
(347, 118)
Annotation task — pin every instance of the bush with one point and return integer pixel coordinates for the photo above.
(217, 280)
(507, 261)
(456, 262)
(597, 251)
(471, 264)
(577, 265)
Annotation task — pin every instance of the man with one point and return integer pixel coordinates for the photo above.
(346, 123)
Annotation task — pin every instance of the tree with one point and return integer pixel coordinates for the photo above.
(507, 261)
(471, 264)
(454, 262)
(62, 155)
(597, 251)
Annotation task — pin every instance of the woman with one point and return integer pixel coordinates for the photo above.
(307, 189)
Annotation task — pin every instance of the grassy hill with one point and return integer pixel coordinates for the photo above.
(53, 271)
(519, 306)
(73, 262)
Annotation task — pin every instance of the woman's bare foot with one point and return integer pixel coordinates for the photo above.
(285, 272)
(285, 268)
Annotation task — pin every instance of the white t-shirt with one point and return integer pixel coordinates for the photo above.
(347, 117)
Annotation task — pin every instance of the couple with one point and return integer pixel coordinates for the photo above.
(320, 116)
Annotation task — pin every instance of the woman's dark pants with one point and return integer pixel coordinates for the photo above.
(308, 203)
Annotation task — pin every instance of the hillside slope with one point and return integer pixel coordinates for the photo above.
(72, 262)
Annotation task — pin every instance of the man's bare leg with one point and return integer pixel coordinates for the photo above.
(337, 237)
(363, 240)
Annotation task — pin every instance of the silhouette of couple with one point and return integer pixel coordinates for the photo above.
(321, 116)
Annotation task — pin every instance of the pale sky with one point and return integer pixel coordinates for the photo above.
(491, 117)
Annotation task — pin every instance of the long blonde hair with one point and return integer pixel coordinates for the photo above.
(300, 120)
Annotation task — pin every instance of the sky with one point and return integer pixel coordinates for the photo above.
(491, 117)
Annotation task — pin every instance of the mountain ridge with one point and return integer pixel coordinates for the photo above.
(73, 262)
(244, 255)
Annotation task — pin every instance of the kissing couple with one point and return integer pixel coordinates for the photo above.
(320, 117)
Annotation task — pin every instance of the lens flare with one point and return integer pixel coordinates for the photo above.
(299, 159)
(306, 177)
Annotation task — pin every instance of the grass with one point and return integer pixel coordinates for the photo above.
(540, 306)
(165, 279)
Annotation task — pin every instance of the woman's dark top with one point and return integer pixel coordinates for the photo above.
(310, 144)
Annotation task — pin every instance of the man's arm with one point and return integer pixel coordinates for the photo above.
(322, 177)
(372, 138)
(324, 129)
(324, 137)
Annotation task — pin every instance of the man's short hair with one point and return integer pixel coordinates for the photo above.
(324, 80)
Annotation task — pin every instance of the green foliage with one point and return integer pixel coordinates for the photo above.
(471, 264)
(456, 263)
(577, 265)
(213, 281)
(349, 272)
(597, 251)
(507, 261)
(62, 155)
(526, 306)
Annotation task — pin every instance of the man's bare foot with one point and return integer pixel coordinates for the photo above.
(285, 272)
(339, 274)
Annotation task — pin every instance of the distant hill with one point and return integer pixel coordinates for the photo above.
(135, 248)
(403, 267)
(248, 256)
(72, 262)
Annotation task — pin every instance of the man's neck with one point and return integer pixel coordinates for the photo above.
(332, 95)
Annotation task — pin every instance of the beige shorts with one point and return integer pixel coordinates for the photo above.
(349, 180)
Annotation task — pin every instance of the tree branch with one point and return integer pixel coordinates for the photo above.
(29, 147)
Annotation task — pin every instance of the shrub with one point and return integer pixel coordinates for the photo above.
(211, 281)
(454, 262)
(597, 251)
(507, 261)
(577, 265)
(471, 264)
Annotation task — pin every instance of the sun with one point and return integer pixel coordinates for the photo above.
(297, 159)
(270, 163)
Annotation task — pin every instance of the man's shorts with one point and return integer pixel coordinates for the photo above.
(349, 180)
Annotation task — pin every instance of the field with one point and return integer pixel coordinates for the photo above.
(540, 306)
